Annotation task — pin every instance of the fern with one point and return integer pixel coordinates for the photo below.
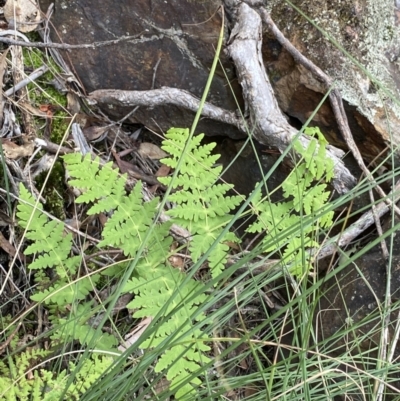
(155, 282)
(52, 249)
(91, 179)
(201, 205)
(164, 286)
(293, 225)
(16, 384)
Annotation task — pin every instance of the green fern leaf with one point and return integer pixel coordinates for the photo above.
(323, 165)
(70, 329)
(316, 198)
(63, 293)
(174, 144)
(130, 222)
(157, 287)
(161, 290)
(202, 205)
(219, 255)
(90, 372)
(51, 247)
(179, 369)
(305, 200)
(103, 185)
(29, 215)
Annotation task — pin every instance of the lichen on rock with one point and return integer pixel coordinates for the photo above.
(354, 42)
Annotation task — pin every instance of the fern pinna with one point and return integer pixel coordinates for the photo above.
(200, 203)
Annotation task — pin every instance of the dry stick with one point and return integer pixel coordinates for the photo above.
(3, 69)
(163, 96)
(52, 147)
(30, 78)
(66, 46)
(5, 344)
(269, 126)
(353, 231)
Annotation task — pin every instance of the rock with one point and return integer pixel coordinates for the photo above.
(175, 47)
(181, 36)
(367, 32)
(357, 292)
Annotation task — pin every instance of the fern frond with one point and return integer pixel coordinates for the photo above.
(131, 218)
(71, 329)
(65, 292)
(46, 385)
(156, 287)
(181, 363)
(161, 292)
(51, 247)
(103, 185)
(130, 222)
(322, 165)
(89, 372)
(305, 200)
(202, 206)
(174, 144)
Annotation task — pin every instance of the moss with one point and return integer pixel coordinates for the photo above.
(54, 190)
(42, 92)
(59, 125)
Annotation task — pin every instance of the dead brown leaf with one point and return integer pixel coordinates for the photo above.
(49, 109)
(6, 246)
(177, 262)
(103, 219)
(5, 220)
(32, 110)
(23, 15)
(147, 149)
(14, 151)
(73, 104)
(163, 171)
(94, 132)
(162, 385)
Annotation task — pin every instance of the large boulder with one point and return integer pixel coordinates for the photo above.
(175, 47)
(181, 36)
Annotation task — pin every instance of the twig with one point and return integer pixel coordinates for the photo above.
(4, 345)
(66, 46)
(10, 32)
(163, 96)
(30, 78)
(52, 147)
(365, 221)
(155, 73)
(270, 126)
